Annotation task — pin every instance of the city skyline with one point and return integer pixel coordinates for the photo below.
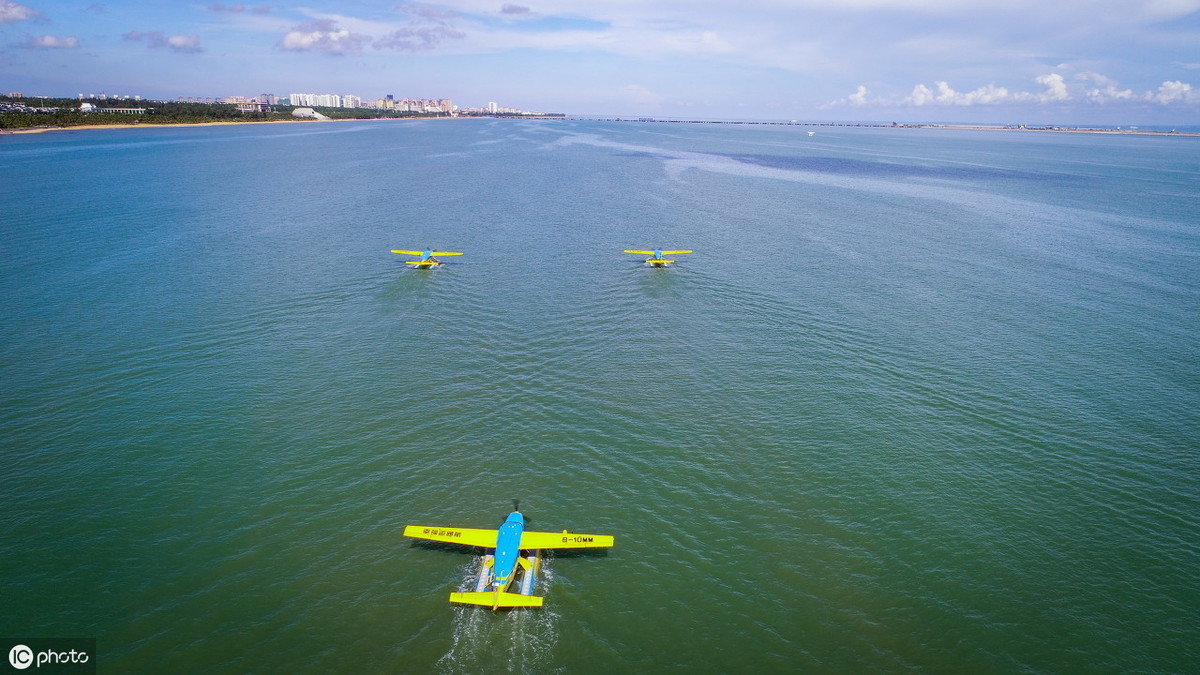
(929, 60)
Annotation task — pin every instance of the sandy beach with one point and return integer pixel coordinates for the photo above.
(298, 120)
(38, 130)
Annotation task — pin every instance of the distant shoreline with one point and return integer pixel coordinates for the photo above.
(874, 125)
(1067, 130)
(643, 120)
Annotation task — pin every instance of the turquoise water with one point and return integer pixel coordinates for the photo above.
(921, 400)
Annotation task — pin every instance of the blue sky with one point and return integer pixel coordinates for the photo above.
(1017, 61)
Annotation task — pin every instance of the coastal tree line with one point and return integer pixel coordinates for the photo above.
(24, 113)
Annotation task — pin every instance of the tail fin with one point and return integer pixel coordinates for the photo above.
(494, 600)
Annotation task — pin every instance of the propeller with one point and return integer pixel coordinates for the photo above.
(517, 508)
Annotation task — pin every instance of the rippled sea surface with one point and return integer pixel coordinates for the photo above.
(920, 400)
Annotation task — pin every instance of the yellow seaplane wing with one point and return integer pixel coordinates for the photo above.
(453, 535)
(447, 253)
(673, 252)
(628, 250)
(408, 252)
(564, 539)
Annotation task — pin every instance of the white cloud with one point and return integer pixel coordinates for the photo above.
(418, 39)
(323, 36)
(52, 42)
(1173, 92)
(183, 44)
(1092, 87)
(946, 95)
(991, 94)
(1096, 79)
(920, 95)
(1056, 87)
(418, 28)
(1104, 89)
(857, 99)
(11, 11)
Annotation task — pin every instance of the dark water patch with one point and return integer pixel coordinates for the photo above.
(846, 166)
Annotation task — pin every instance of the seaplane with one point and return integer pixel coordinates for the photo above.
(514, 561)
(428, 258)
(656, 258)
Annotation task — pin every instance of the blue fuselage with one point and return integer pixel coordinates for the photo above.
(508, 549)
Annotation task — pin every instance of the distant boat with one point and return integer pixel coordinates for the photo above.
(811, 133)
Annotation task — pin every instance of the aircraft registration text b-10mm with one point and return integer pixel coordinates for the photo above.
(515, 558)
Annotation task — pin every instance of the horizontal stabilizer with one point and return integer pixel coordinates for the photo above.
(492, 599)
(659, 261)
(421, 262)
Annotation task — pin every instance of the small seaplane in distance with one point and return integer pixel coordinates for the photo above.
(515, 553)
(428, 257)
(656, 258)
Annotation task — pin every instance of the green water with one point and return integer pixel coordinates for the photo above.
(919, 401)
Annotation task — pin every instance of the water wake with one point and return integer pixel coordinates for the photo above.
(511, 641)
